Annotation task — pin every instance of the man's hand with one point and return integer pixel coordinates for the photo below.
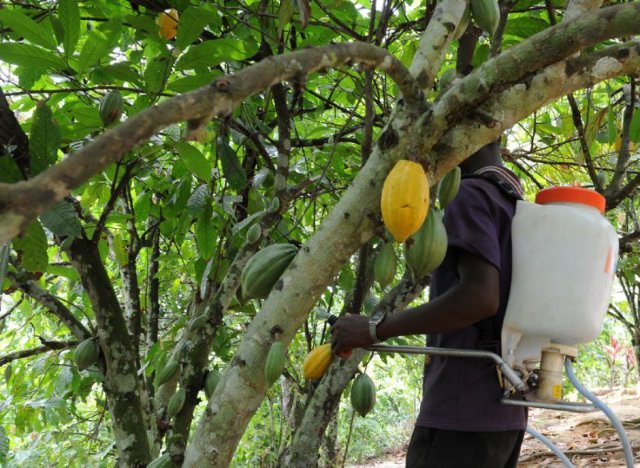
(350, 331)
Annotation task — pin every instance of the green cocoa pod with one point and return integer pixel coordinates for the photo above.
(263, 270)
(86, 353)
(486, 13)
(168, 372)
(426, 249)
(213, 378)
(601, 178)
(274, 365)
(463, 25)
(363, 394)
(176, 402)
(111, 108)
(449, 186)
(163, 461)
(253, 233)
(385, 265)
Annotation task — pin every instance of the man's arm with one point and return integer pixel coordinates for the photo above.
(475, 297)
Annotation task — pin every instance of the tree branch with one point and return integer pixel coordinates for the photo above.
(22, 202)
(23, 353)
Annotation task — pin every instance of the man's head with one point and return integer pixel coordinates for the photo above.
(488, 155)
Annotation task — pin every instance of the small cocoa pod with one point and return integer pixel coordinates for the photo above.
(363, 394)
(168, 372)
(111, 108)
(274, 365)
(449, 186)
(86, 353)
(385, 265)
(176, 402)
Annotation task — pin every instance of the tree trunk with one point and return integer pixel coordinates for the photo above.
(121, 384)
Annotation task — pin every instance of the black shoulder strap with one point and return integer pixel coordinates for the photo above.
(489, 328)
(501, 178)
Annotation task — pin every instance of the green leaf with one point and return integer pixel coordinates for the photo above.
(4, 444)
(198, 200)
(27, 55)
(192, 23)
(634, 127)
(214, 52)
(285, 13)
(525, 26)
(99, 43)
(156, 73)
(9, 171)
(231, 167)
(33, 245)
(36, 33)
(189, 83)
(62, 220)
(122, 71)
(45, 139)
(195, 161)
(69, 16)
(205, 234)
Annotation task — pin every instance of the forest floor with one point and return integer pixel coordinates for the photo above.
(586, 438)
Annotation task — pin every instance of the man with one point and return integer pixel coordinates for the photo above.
(461, 421)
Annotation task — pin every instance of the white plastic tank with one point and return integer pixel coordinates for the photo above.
(564, 259)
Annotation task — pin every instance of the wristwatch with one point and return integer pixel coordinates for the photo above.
(376, 319)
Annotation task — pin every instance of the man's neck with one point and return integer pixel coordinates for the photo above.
(488, 155)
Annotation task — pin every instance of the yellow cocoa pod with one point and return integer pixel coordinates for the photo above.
(405, 199)
(317, 362)
(167, 21)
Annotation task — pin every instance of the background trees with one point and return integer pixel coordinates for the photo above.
(141, 227)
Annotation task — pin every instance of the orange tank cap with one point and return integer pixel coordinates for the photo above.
(572, 195)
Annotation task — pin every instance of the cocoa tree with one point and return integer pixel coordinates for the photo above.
(150, 216)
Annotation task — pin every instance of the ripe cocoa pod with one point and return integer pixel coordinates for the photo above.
(168, 372)
(163, 461)
(253, 233)
(176, 402)
(167, 22)
(263, 270)
(274, 365)
(385, 265)
(426, 249)
(86, 353)
(213, 378)
(486, 13)
(405, 199)
(317, 362)
(111, 108)
(449, 186)
(363, 394)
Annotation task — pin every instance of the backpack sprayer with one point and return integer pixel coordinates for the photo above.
(564, 258)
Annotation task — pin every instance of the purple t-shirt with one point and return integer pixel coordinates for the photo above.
(463, 394)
